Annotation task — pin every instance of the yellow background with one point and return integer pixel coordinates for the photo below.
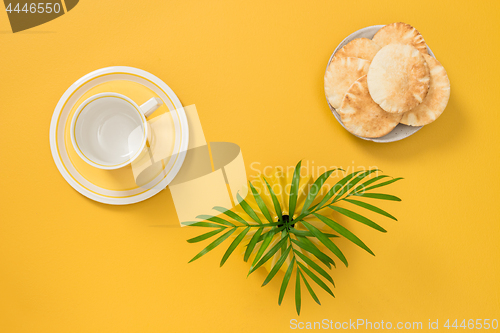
(254, 69)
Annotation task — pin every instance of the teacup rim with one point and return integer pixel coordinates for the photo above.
(79, 110)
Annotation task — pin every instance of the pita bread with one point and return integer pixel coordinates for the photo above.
(362, 48)
(436, 100)
(400, 33)
(339, 76)
(398, 78)
(362, 116)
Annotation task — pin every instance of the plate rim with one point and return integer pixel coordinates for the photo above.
(182, 149)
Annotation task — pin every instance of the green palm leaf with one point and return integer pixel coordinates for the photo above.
(215, 219)
(233, 245)
(277, 266)
(261, 204)
(309, 246)
(276, 203)
(284, 234)
(298, 300)
(203, 224)
(357, 217)
(314, 266)
(383, 184)
(368, 182)
(294, 190)
(268, 255)
(252, 243)
(352, 183)
(273, 231)
(265, 243)
(204, 236)
(304, 233)
(246, 207)
(335, 188)
(316, 279)
(344, 232)
(213, 245)
(285, 281)
(327, 242)
(301, 248)
(378, 196)
(371, 207)
(314, 190)
(231, 214)
(311, 291)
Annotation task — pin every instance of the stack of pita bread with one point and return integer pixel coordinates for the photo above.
(375, 84)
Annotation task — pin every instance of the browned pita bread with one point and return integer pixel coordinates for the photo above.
(362, 48)
(436, 100)
(400, 33)
(362, 116)
(398, 78)
(339, 76)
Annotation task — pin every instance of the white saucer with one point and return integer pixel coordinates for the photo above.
(76, 173)
(399, 132)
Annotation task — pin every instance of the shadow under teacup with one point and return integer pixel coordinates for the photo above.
(109, 130)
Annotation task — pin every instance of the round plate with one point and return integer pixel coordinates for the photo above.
(116, 187)
(399, 132)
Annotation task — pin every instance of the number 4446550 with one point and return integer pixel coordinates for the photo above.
(473, 324)
(33, 8)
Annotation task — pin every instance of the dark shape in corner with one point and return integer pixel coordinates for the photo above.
(21, 20)
(70, 4)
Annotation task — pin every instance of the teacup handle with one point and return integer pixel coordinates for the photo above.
(150, 106)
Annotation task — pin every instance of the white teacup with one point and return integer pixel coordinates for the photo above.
(109, 130)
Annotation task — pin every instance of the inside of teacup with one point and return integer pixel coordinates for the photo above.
(109, 131)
